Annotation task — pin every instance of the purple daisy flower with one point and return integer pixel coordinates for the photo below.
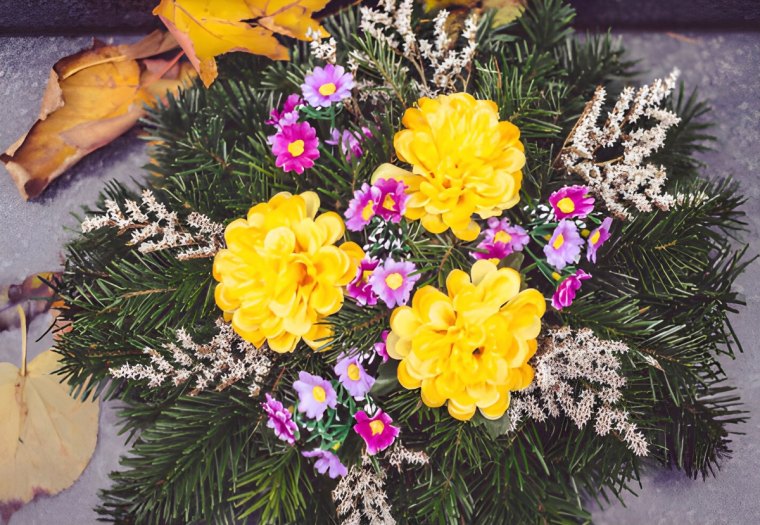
(326, 462)
(381, 348)
(564, 246)
(349, 142)
(393, 283)
(501, 239)
(571, 202)
(377, 431)
(288, 114)
(296, 147)
(567, 289)
(324, 86)
(314, 395)
(598, 237)
(391, 205)
(352, 376)
(359, 288)
(362, 208)
(280, 420)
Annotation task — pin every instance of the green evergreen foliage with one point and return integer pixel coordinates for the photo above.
(663, 285)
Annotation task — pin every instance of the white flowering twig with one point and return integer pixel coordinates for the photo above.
(578, 375)
(322, 49)
(361, 493)
(153, 227)
(626, 179)
(225, 360)
(391, 24)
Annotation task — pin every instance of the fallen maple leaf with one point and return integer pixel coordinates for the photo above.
(91, 98)
(208, 28)
(33, 294)
(46, 437)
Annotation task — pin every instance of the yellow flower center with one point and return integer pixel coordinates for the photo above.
(296, 148)
(558, 242)
(556, 276)
(377, 427)
(595, 238)
(585, 233)
(368, 211)
(319, 394)
(353, 372)
(502, 237)
(366, 274)
(389, 202)
(566, 205)
(327, 89)
(336, 446)
(394, 281)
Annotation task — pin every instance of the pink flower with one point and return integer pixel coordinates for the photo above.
(381, 348)
(359, 288)
(391, 205)
(501, 239)
(571, 201)
(314, 395)
(565, 293)
(296, 147)
(288, 114)
(564, 246)
(323, 86)
(361, 209)
(393, 283)
(377, 431)
(326, 462)
(350, 142)
(280, 420)
(353, 377)
(598, 237)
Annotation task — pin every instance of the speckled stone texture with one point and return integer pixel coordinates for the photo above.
(726, 67)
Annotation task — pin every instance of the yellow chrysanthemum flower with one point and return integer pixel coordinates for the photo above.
(472, 346)
(282, 274)
(464, 162)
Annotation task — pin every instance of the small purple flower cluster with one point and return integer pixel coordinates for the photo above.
(318, 396)
(295, 144)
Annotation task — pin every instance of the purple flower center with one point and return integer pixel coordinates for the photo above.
(558, 242)
(566, 204)
(353, 372)
(377, 427)
(368, 211)
(319, 394)
(502, 237)
(296, 148)
(394, 281)
(389, 202)
(595, 237)
(327, 89)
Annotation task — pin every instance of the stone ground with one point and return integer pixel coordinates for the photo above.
(726, 67)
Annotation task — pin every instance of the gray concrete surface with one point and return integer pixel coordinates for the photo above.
(725, 66)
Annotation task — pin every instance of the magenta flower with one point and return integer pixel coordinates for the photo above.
(381, 348)
(314, 395)
(288, 114)
(352, 376)
(377, 431)
(326, 462)
(564, 246)
(571, 201)
(501, 239)
(296, 147)
(391, 204)
(565, 293)
(349, 142)
(359, 288)
(362, 208)
(393, 283)
(324, 86)
(598, 237)
(280, 420)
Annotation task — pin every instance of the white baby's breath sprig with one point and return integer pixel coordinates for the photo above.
(222, 362)
(626, 180)
(153, 228)
(578, 375)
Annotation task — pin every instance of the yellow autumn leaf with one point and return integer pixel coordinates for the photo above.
(46, 436)
(206, 29)
(92, 97)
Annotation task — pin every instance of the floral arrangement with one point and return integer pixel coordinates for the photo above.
(441, 279)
